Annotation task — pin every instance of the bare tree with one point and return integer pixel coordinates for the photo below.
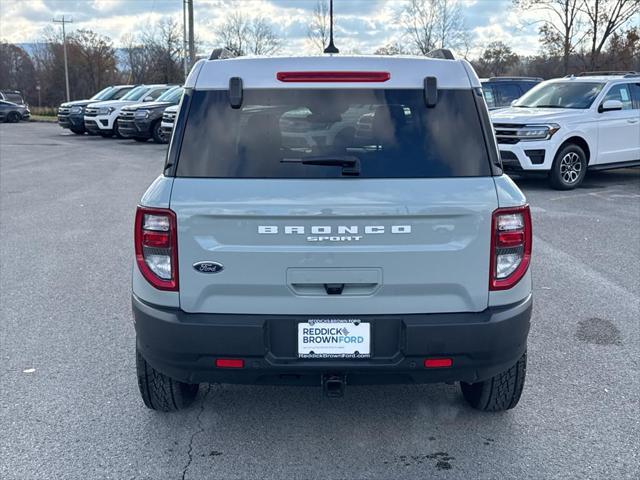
(243, 35)
(434, 24)
(606, 17)
(318, 30)
(392, 48)
(263, 39)
(562, 30)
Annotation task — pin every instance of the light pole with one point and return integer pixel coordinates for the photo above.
(184, 39)
(64, 21)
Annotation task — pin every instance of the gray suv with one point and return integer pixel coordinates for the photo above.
(332, 221)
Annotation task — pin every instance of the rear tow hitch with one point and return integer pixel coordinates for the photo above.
(333, 385)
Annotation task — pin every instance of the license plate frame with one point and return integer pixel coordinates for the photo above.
(332, 341)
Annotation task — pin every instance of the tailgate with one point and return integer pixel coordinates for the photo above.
(334, 247)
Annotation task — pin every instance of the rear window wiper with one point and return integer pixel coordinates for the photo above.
(350, 164)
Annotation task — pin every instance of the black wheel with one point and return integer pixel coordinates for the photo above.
(160, 392)
(140, 139)
(78, 131)
(116, 130)
(13, 117)
(569, 168)
(158, 134)
(106, 134)
(498, 393)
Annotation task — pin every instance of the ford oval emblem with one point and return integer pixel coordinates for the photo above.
(208, 267)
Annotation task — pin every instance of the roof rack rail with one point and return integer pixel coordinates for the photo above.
(605, 73)
(526, 79)
(441, 53)
(221, 54)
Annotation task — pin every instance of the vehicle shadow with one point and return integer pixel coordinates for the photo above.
(593, 181)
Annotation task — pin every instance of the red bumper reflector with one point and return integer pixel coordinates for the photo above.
(438, 362)
(155, 239)
(229, 363)
(333, 76)
(510, 239)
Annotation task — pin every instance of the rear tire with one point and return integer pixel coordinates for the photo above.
(569, 168)
(160, 392)
(140, 139)
(498, 393)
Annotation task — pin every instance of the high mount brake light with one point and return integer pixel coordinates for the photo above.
(511, 240)
(156, 244)
(333, 76)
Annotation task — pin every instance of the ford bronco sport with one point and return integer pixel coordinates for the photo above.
(332, 221)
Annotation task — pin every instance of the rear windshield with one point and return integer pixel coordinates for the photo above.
(14, 97)
(308, 133)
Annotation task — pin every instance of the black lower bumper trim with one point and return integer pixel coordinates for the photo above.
(184, 346)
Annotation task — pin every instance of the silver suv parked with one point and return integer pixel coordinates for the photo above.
(332, 221)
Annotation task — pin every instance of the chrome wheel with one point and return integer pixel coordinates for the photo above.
(570, 168)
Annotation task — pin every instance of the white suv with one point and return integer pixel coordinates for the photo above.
(101, 118)
(567, 125)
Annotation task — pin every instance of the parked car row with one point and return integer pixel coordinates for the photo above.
(560, 127)
(126, 111)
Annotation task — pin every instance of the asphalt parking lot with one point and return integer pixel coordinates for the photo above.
(69, 403)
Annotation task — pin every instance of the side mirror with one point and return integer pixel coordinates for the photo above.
(513, 102)
(610, 106)
(150, 99)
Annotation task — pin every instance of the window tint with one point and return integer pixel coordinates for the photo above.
(102, 94)
(507, 92)
(635, 93)
(561, 94)
(277, 132)
(121, 93)
(154, 94)
(136, 94)
(487, 91)
(14, 97)
(622, 94)
(172, 95)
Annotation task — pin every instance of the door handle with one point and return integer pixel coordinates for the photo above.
(633, 121)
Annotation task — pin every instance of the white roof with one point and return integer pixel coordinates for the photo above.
(260, 72)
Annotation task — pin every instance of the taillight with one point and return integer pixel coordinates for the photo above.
(510, 246)
(156, 243)
(339, 76)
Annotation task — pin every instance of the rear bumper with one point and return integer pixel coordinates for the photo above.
(184, 346)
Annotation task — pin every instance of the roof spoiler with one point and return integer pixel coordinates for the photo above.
(221, 54)
(442, 54)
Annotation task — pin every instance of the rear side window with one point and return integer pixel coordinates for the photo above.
(307, 133)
